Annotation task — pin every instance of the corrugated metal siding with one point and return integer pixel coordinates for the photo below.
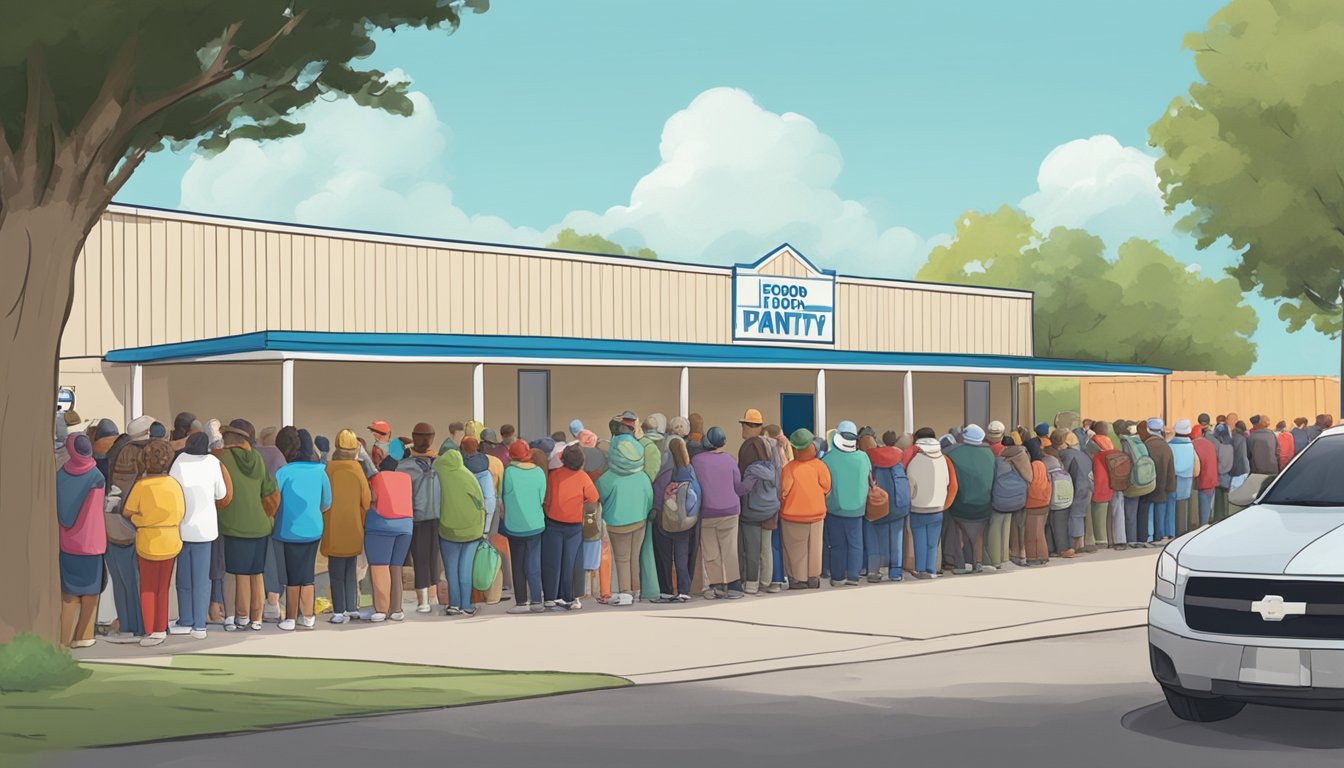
(145, 279)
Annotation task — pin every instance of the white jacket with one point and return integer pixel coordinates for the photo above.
(202, 481)
(930, 477)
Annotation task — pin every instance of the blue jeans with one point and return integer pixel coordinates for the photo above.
(525, 556)
(778, 576)
(845, 539)
(560, 544)
(458, 557)
(885, 543)
(275, 574)
(125, 573)
(193, 584)
(926, 530)
(1205, 505)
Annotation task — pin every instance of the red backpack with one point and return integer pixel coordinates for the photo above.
(1119, 468)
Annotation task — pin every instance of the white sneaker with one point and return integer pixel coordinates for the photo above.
(177, 629)
(397, 616)
(337, 618)
(577, 604)
(524, 608)
(153, 639)
(423, 608)
(198, 634)
(83, 643)
(307, 622)
(230, 625)
(271, 612)
(287, 625)
(626, 599)
(377, 617)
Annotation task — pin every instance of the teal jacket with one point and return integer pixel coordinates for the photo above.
(850, 471)
(524, 491)
(975, 482)
(626, 492)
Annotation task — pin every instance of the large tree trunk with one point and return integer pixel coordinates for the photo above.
(38, 250)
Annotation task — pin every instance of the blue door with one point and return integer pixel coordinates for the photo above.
(796, 411)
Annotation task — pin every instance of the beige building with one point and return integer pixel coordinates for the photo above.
(328, 328)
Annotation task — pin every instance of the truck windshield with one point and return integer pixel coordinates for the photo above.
(1316, 479)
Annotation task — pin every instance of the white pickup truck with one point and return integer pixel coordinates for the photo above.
(1251, 609)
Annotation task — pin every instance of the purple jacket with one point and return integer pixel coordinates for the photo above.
(721, 484)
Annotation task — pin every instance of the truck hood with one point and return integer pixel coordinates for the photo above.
(1269, 539)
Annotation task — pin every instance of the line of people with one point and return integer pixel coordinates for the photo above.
(656, 511)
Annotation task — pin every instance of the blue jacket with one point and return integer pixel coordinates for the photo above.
(305, 491)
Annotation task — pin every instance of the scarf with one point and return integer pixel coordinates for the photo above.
(76, 478)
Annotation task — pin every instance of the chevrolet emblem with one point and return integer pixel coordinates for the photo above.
(1273, 608)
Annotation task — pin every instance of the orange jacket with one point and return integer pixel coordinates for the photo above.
(1038, 491)
(803, 486)
(567, 490)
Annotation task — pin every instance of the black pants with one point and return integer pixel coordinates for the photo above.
(672, 552)
(425, 553)
(344, 589)
(560, 544)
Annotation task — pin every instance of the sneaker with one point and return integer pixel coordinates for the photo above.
(287, 625)
(176, 629)
(198, 634)
(923, 575)
(683, 598)
(451, 611)
(337, 618)
(271, 612)
(307, 622)
(963, 570)
(711, 594)
(874, 578)
(153, 639)
(978, 568)
(835, 583)
(797, 585)
(897, 577)
(666, 598)
(83, 643)
(397, 616)
(423, 608)
(733, 594)
(855, 582)
(255, 626)
(751, 587)
(377, 617)
(575, 605)
(548, 605)
(520, 609)
(774, 588)
(123, 638)
(814, 583)
(538, 608)
(626, 599)
(469, 612)
(230, 625)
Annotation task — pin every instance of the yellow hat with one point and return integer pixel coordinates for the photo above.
(346, 439)
(752, 417)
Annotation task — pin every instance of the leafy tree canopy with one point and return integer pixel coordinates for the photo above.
(569, 240)
(1256, 149)
(1143, 307)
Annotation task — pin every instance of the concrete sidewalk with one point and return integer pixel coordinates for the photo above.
(704, 639)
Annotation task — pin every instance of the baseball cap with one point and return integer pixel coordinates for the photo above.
(381, 427)
(847, 430)
(752, 418)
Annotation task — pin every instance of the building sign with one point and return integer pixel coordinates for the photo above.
(65, 399)
(779, 309)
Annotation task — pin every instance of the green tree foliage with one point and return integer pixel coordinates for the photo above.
(569, 240)
(1256, 149)
(1143, 307)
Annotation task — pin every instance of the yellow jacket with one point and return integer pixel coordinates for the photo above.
(156, 507)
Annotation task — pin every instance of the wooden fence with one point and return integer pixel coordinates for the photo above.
(1188, 394)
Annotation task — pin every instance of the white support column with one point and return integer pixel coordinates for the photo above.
(478, 392)
(908, 401)
(137, 404)
(286, 392)
(684, 402)
(820, 403)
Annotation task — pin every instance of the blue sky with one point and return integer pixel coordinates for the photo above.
(859, 131)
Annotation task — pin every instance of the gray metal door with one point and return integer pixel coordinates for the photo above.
(977, 402)
(534, 404)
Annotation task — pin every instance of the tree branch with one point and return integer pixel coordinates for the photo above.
(127, 168)
(32, 116)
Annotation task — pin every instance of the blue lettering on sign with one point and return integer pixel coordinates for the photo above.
(784, 309)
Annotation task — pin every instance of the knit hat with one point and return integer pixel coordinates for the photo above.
(1255, 420)
(801, 439)
(476, 463)
(575, 427)
(588, 438)
(346, 440)
(157, 431)
(973, 435)
(423, 429)
(655, 422)
(488, 435)
(138, 429)
(1155, 426)
(470, 445)
(106, 428)
(543, 443)
(323, 443)
(306, 449)
(197, 444)
(715, 438)
(679, 426)
(995, 432)
(1042, 429)
(1183, 428)
(518, 451)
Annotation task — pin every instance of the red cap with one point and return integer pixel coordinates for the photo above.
(381, 427)
(518, 451)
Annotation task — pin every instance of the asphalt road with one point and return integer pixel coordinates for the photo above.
(1079, 700)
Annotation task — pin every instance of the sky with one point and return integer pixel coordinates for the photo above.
(713, 131)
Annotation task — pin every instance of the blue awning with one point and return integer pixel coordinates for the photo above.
(430, 347)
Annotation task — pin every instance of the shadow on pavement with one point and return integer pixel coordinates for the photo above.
(1262, 727)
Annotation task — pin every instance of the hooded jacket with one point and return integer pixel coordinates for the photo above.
(1164, 464)
(1287, 448)
(1079, 467)
(1263, 450)
(479, 465)
(974, 469)
(461, 500)
(343, 522)
(803, 488)
(933, 479)
(80, 490)
(1301, 436)
(721, 484)
(625, 491)
(524, 494)
(1182, 457)
(850, 471)
(1016, 457)
(1207, 452)
(1101, 446)
(654, 445)
(248, 515)
(1241, 463)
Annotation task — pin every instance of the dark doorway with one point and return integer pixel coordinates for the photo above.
(797, 411)
(534, 404)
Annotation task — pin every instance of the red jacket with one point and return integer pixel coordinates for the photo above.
(1286, 449)
(1101, 476)
(1208, 464)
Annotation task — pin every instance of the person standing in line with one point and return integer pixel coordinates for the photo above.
(425, 497)
(478, 464)
(933, 489)
(387, 537)
(888, 534)
(654, 442)
(851, 474)
(123, 461)
(804, 485)
(722, 488)
(1262, 447)
(1185, 463)
(678, 542)
(1108, 501)
(626, 495)
(1222, 443)
(524, 520)
(994, 437)
(1241, 460)
(1057, 521)
(1008, 497)
(1287, 449)
(275, 447)
(491, 446)
(495, 518)
(1039, 493)
(1079, 467)
(343, 525)
(305, 496)
(461, 525)
(758, 461)
(507, 436)
(245, 523)
(596, 545)
(205, 487)
(784, 453)
(1301, 435)
(1206, 477)
(973, 462)
(80, 490)
(1162, 514)
(568, 491)
(155, 507)
(456, 431)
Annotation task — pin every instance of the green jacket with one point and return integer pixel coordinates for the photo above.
(245, 517)
(461, 502)
(975, 482)
(653, 454)
(626, 492)
(850, 471)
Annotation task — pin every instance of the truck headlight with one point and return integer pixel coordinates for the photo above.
(1165, 586)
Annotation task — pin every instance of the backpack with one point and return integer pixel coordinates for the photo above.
(762, 501)
(1143, 477)
(1010, 489)
(125, 471)
(681, 506)
(878, 505)
(1119, 468)
(900, 493)
(484, 566)
(1225, 456)
(592, 522)
(1061, 484)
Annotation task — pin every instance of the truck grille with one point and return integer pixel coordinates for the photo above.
(1223, 606)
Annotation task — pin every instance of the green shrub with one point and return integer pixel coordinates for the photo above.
(29, 663)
